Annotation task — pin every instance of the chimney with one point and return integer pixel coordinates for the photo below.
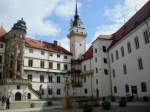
(55, 42)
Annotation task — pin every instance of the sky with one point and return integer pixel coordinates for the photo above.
(49, 20)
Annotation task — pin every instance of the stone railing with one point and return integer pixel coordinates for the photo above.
(15, 81)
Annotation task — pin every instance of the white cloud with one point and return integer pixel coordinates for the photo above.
(118, 15)
(66, 9)
(35, 13)
(65, 43)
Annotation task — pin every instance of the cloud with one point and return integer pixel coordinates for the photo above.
(65, 43)
(118, 15)
(66, 9)
(36, 13)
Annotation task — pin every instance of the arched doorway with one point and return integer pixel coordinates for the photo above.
(29, 96)
(18, 96)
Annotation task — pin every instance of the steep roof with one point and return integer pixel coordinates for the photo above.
(132, 23)
(88, 54)
(38, 44)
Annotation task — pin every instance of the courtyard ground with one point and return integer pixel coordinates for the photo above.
(131, 107)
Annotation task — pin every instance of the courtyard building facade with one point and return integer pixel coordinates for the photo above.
(114, 65)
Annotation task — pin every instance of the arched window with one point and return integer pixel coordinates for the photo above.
(115, 89)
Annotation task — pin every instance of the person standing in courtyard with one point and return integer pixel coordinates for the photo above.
(3, 102)
(7, 103)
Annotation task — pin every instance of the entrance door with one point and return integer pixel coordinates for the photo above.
(18, 96)
(97, 93)
(134, 90)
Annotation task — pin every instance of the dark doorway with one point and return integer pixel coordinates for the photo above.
(18, 96)
(29, 96)
(134, 90)
(97, 93)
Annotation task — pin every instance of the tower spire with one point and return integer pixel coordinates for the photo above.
(76, 12)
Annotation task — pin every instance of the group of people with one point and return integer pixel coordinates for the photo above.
(5, 102)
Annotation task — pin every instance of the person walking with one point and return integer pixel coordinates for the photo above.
(7, 103)
(3, 102)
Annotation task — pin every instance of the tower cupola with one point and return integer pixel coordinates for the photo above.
(20, 25)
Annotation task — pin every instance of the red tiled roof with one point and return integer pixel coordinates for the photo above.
(2, 31)
(88, 54)
(132, 23)
(45, 46)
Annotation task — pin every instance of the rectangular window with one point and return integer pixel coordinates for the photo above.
(30, 50)
(96, 70)
(58, 79)
(1, 58)
(50, 91)
(58, 66)
(50, 79)
(105, 60)
(42, 52)
(30, 62)
(127, 88)
(146, 37)
(41, 78)
(136, 42)
(58, 55)
(129, 47)
(30, 77)
(143, 87)
(104, 49)
(65, 57)
(42, 64)
(65, 66)
(122, 51)
(117, 55)
(140, 64)
(1, 45)
(85, 79)
(105, 71)
(50, 65)
(112, 57)
(124, 69)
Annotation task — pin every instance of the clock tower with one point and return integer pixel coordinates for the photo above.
(77, 36)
